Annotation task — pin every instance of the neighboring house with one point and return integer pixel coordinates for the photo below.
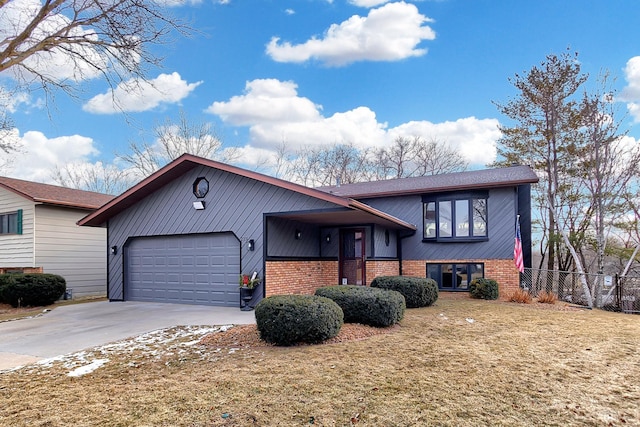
(39, 233)
(188, 231)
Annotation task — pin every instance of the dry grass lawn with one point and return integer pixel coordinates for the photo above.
(461, 362)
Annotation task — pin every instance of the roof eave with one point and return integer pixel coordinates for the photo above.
(366, 208)
(178, 167)
(412, 192)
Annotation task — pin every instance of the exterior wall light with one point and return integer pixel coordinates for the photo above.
(298, 235)
(251, 245)
(114, 250)
(328, 238)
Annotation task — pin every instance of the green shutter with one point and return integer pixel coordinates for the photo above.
(19, 221)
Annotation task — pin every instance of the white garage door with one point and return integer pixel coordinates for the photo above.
(188, 269)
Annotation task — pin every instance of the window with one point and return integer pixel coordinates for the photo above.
(454, 276)
(455, 217)
(200, 187)
(11, 223)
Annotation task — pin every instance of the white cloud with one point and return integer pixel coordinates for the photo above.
(41, 154)
(264, 101)
(389, 33)
(290, 11)
(275, 114)
(475, 139)
(367, 3)
(138, 95)
(10, 101)
(631, 93)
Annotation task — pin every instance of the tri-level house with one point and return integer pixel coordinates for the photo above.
(39, 233)
(187, 232)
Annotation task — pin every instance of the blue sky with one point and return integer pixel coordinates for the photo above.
(315, 72)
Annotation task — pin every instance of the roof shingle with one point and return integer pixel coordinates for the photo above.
(55, 195)
(486, 178)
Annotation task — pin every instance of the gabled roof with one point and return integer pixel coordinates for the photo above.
(471, 180)
(187, 162)
(54, 195)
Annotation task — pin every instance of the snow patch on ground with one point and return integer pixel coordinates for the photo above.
(154, 345)
(87, 369)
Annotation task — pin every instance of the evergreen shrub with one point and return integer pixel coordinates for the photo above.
(417, 291)
(290, 319)
(365, 305)
(23, 290)
(483, 288)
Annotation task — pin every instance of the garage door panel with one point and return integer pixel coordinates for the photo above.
(190, 269)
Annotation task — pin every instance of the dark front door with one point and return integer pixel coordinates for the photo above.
(352, 253)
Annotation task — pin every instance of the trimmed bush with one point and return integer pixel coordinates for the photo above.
(5, 279)
(417, 291)
(482, 288)
(369, 306)
(23, 290)
(290, 319)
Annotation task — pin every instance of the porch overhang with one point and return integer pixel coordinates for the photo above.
(357, 214)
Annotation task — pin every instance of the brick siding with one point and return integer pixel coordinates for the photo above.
(304, 277)
(299, 277)
(375, 268)
(26, 270)
(502, 271)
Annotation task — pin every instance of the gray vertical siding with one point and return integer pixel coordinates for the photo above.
(329, 249)
(234, 204)
(282, 241)
(501, 213)
(381, 249)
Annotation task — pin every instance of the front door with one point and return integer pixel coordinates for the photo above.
(352, 253)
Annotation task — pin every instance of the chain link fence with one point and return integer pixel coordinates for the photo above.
(606, 292)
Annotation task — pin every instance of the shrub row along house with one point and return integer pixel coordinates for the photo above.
(38, 232)
(187, 232)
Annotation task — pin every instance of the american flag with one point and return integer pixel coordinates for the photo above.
(517, 249)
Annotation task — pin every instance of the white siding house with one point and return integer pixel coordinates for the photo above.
(38, 230)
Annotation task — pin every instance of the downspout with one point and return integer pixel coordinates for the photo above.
(108, 261)
(402, 235)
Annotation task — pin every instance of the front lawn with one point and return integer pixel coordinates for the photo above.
(461, 362)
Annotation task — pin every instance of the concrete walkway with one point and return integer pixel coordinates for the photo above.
(72, 328)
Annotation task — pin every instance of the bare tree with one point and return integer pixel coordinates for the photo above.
(57, 43)
(607, 165)
(416, 156)
(171, 140)
(396, 161)
(98, 177)
(317, 166)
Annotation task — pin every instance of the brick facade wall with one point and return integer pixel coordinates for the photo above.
(502, 271)
(375, 268)
(26, 270)
(299, 277)
(304, 277)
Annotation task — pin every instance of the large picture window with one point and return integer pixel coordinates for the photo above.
(455, 217)
(455, 276)
(11, 223)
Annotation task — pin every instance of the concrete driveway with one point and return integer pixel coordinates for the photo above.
(72, 328)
